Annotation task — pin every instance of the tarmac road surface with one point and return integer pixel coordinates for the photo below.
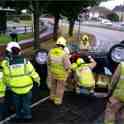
(76, 109)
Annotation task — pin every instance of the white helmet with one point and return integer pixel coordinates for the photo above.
(11, 45)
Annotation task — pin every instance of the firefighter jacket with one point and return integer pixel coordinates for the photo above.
(85, 76)
(59, 63)
(119, 75)
(2, 84)
(19, 74)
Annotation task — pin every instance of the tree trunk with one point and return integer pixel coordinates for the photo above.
(36, 43)
(3, 21)
(71, 27)
(56, 26)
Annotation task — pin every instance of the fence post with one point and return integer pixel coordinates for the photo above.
(25, 29)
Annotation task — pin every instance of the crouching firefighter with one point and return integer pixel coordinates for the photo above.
(19, 75)
(84, 76)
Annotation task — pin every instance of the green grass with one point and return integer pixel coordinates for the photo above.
(5, 38)
(25, 36)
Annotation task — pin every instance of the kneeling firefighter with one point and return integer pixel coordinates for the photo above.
(19, 75)
(84, 75)
(58, 66)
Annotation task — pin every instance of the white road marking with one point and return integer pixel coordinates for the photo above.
(32, 106)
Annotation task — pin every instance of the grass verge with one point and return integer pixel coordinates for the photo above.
(4, 39)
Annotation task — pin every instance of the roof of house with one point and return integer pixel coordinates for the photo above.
(100, 10)
(119, 8)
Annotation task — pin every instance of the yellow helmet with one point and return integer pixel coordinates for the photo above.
(61, 41)
(80, 61)
(85, 38)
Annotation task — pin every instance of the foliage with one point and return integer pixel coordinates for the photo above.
(113, 17)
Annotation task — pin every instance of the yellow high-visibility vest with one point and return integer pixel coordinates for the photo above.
(119, 90)
(56, 63)
(19, 76)
(2, 85)
(85, 76)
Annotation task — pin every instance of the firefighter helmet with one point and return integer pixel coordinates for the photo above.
(13, 47)
(61, 41)
(85, 38)
(80, 61)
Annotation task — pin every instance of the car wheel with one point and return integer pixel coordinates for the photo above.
(116, 53)
(122, 42)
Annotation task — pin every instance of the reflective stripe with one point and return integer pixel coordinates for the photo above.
(19, 65)
(2, 91)
(20, 75)
(21, 86)
(121, 77)
(1, 75)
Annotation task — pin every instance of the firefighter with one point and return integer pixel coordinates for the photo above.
(84, 42)
(58, 64)
(114, 108)
(84, 75)
(13, 34)
(2, 94)
(19, 75)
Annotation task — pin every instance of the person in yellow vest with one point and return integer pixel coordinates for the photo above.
(58, 64)
(116, 100)
(84, 42)
(84, 75)
(2, 94)
(19, 75)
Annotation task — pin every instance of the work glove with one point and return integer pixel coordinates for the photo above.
(37, 80)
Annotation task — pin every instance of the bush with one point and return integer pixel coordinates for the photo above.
(25, 17)
(113, 17)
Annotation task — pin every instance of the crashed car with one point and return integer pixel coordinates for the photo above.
(106, 65)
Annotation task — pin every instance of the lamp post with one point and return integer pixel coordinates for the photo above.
(79, 19)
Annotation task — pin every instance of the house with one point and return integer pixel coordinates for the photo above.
(119, 10)
(96, 12)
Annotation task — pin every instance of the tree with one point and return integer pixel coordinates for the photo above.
(113, 17)
(55, 8)
(35, 9)
(72, 11)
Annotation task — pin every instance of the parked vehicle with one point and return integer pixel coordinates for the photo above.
(106, 65)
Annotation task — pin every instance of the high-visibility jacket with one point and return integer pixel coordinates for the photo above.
(119, 90)
(2, 85)
(19, 75)
(85, 76)
(58, 63)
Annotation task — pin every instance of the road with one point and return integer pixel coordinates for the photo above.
(105, 38)
(76, 109)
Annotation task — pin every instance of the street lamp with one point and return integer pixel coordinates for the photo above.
(79, 19)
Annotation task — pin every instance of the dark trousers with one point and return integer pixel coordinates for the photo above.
(22, 103)
(14, 37)
(2, 111)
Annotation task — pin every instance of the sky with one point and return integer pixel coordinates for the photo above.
(112, 3)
